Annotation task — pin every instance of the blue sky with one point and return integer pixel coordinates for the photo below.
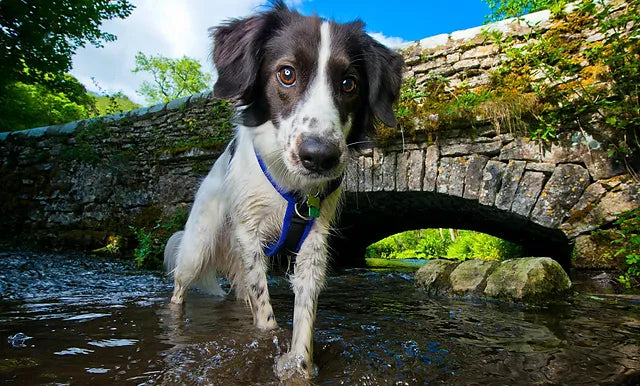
(408, 19)
(175, 28)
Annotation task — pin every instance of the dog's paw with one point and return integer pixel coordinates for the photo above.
(290, 366)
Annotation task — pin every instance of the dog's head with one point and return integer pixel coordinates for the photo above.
(318, 82)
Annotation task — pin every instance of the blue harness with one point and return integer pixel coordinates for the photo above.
(295, 226)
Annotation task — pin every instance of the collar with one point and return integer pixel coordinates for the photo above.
(301, 212)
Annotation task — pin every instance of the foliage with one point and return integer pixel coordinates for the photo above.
(627, 228)
(580, 75)
(503, 9)
(481, 246)
(150, 249)
(112, 247)
(419, 244)
(172, 78)
(432, 243)
(43, 35)
(114, 103)
(578, 81)
(24, 106)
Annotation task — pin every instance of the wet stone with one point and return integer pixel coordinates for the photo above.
(434, 275)
(470, 277)
(529, 279)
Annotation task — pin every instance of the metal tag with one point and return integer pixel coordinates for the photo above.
(313, 203)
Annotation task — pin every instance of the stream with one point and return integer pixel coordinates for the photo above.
(73, 319)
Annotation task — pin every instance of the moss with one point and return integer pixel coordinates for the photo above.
(13, 364)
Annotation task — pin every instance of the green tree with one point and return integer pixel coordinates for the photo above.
(114, 103)
(503, 9)
(172, 78)
(42, 35)
(24, 106)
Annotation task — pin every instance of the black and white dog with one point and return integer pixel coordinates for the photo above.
(305, 88)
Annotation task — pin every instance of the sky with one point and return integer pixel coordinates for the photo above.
(175, 28)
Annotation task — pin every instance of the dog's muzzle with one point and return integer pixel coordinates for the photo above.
(318, 154)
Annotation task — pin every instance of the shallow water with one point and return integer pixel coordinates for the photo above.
(80, 320)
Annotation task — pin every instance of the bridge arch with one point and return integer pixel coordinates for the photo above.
(502, 185)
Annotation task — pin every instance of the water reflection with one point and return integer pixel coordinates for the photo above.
(73, 319)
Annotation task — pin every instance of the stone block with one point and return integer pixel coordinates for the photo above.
(560, 194)
(509, 186)
(444, 172)
(491, 181)
(489, 62)
(540, 167)
(473, 176)
(389, 172)
(459, 149)
(178, 103)
(591, 196)
(428, 66)
(625, 196)
(431, 168)
(480, 52)
(409, 170)
(365, 177)
(528, 191)
(597, 252)
(456, 179)
(434, 275)
(529, 279)
(351, 175)
(377, 170)
(466, 64)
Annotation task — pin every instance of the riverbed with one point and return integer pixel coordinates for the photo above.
(84, 320)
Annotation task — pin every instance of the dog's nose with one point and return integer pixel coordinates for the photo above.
(318, 154)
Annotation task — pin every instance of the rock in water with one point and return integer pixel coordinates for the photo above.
(470, 277)
(434, 275)
(529, 279)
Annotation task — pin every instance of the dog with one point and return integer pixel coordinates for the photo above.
(304, 88)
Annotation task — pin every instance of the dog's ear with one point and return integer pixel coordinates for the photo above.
(237, 53)
(384, 73)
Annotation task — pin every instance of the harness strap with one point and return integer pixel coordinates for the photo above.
(295, 227)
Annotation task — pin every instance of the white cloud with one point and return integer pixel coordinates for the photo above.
(389, 41)
(172, 28)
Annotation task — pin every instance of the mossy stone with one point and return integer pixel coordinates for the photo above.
(434, 275)
(529, 279)
(470, 277)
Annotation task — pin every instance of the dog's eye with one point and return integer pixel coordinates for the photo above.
(349, 84)
(287, 76)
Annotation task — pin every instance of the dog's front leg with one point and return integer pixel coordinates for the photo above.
(307, 280)
(255, 278)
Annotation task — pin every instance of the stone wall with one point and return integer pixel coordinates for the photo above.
(77, 184)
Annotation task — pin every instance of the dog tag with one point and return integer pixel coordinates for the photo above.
(313, 203)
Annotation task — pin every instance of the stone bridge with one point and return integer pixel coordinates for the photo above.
(503, 185)
(75, 185)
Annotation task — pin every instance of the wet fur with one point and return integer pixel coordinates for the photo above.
(236, 211)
